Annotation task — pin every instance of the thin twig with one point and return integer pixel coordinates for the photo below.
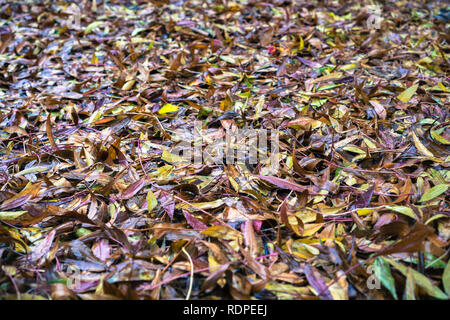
(191, 280)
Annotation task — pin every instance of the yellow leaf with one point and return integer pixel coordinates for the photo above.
(222, 232)
(212, 262)
(348, 67)
(354, 150)
(408, 93)
(128, 85)
(421, 147)
(152, 202)
(364, 211)
(439, 138)
(170, 157)
(443, 87)
(10, 215)
(201, 205)
(369, 143)
(301, 45)
(94, 59)
(311, 228)
(168, 108)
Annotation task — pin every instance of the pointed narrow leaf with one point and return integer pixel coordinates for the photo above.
(410, 287)
(403, 210)
(317, 282)
(446, 279)
(419, 145)
(133, 189)
(49, 132)
(434, 192)
(419, 279)
(193, 221)
(152, 202)
(383, 272)
(408, 93)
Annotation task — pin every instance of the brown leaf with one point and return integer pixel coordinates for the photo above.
(267, 36)
(21, 198)
(49, 132)
(284, 184)
(211, 281)
(413, 242)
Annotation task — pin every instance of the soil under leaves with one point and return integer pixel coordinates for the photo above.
(94, 205)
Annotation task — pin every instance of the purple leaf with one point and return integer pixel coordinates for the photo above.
(194, 222)
(317, 282)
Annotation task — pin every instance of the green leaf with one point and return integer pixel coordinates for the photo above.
(435, 217)
(152, 202)
(354, 149)
(92, 26)
(419, 279)
(32, 170)
(446, 279)
(403, 210)
(168, 107)
(408, 93)
(383, 272)
(82, 232)
(434, 192)
(11, 215)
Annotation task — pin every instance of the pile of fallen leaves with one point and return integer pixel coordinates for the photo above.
(94, 204)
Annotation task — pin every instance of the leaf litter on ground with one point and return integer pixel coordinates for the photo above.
(95, 204)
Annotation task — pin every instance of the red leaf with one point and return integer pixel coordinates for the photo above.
(194, 222)
(133, 189)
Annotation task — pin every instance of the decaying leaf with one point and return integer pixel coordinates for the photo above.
(224, 150)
